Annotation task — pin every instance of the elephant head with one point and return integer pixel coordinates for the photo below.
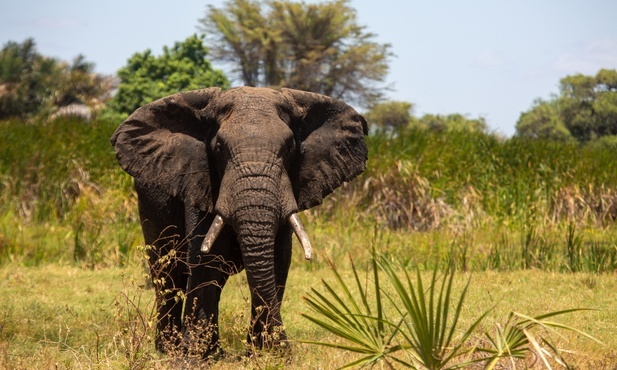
(251, 157)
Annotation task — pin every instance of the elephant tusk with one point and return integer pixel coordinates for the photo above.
(298, 229)
(213, 233)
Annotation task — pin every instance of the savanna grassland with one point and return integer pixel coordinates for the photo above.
(531, 222)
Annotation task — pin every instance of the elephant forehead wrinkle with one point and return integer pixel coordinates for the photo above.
(254, 193)
(257, 179)
(255, 110)
(259, 160)
(257, 163)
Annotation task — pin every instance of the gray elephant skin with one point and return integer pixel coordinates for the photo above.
(220, 177)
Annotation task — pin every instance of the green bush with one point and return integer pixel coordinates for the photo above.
(147, 77)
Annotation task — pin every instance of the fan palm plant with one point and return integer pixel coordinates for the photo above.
(422, 337)
(518, 337)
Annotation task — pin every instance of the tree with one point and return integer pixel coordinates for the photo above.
(314, 47)
(588, 104)
(32, 84)
(146, 77)
(240, 35)
(390, 114)
(78, 85)
(25, 79)
(543, 121)
(585, 109)
(452, 122)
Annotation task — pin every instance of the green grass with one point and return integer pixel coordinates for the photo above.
(73, 317)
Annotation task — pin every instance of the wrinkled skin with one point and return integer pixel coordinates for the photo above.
(252, 156)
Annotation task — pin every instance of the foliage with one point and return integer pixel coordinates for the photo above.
(543, 121)
(586, 109)
(451, 122)
(589, 104)
(354, 319)
(64, 173)
(147, 77)
(420, 334)
(24, 75)
(509, 177)
(315, 47)
(519, 336)
(390, 114)
(33, 84)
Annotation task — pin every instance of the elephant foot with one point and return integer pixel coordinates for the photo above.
(202, 342)
(168, 341)
(281, 355)
(188, 361)
(272, 344)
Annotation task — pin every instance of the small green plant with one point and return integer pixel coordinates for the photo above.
(353, 319)
(519, 336)
(601, 257)
(428, 322)
(574, 248)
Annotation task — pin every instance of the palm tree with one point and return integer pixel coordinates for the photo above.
(32, 84)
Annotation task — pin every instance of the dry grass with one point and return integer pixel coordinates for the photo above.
(67, 317)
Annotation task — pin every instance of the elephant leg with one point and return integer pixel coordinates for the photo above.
(201, 327)
(208, 274)
(162, 219)
(169, 279)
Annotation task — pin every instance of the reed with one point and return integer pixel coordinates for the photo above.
(472, 199)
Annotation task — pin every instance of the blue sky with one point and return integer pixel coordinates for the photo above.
(475, 57)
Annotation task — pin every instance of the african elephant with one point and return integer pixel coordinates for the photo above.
(220, 177)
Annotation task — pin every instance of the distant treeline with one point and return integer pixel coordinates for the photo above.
(35, 88)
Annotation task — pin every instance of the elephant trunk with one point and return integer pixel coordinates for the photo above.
(255, 218)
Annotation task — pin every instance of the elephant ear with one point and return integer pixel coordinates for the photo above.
(163, 144)
(332, 148)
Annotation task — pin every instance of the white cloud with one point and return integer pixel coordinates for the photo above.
(590, 59)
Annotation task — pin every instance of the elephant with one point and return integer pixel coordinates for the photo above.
(220, 177)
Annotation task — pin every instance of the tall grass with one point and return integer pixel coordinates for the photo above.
(485, 201)
(62, 195)
(512, 177)
(472, 199)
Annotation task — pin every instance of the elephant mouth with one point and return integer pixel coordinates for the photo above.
(294, 222)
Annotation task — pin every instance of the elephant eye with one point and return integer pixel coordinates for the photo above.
(216, 146)
(290, 146)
